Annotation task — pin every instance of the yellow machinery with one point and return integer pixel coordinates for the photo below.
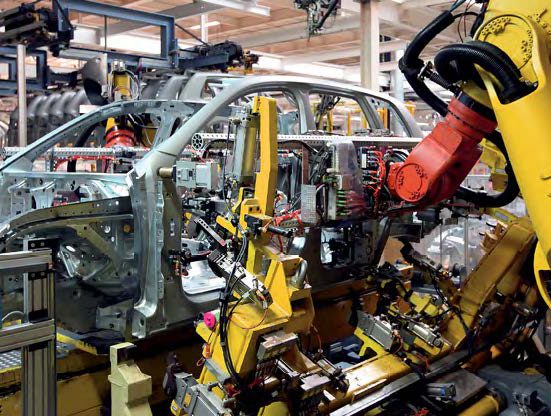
(392, 359)
(122, 84)
(285, 309)
(522, 31)
(252, 359)
(439, 339)
(511, 55)
(516, 92)
(405, 348)
(406, 352)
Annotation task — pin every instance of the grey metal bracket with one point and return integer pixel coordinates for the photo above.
(36, 335)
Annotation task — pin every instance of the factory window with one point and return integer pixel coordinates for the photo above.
(348, 116)
(390, 117)
(288, 115)
(338, 115)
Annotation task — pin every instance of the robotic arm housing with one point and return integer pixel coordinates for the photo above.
(500, 80)
(437, 166)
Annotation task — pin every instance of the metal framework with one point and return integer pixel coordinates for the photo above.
(8, 56)
(36, 335)
(202, 139)
(168, 57)
(314, 140)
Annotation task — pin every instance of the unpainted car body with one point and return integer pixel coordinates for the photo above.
(116, 236)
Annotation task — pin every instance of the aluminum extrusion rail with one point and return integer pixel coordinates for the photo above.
(36, 336)
(200, 140)
(75, 152)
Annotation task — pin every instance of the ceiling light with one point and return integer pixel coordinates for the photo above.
(209, 24)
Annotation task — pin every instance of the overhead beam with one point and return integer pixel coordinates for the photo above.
(292, 32)
(388, 10)
(414, 4)
(318, 44)
(324, 56)
(392, 46)
(196, 8)
(135, 3)
(244, 6)
(333, 72)
(178, 12)
(384, 47)
(415, 29)
(283, 17)
(389, 15)
(383, 68)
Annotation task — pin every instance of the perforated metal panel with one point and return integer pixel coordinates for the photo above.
(308, 204)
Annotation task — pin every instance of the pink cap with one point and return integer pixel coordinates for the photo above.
(210, 320)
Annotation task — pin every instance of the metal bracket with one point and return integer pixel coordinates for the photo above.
(36, 336)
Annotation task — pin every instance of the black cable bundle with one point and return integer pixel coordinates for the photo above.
(455, 63)
(225, 297)
(411, 64)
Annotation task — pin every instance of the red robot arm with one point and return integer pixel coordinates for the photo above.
(436, 167)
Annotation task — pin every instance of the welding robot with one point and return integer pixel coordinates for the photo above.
(502, 94)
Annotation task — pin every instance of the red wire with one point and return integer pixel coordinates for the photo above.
(254, 326)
